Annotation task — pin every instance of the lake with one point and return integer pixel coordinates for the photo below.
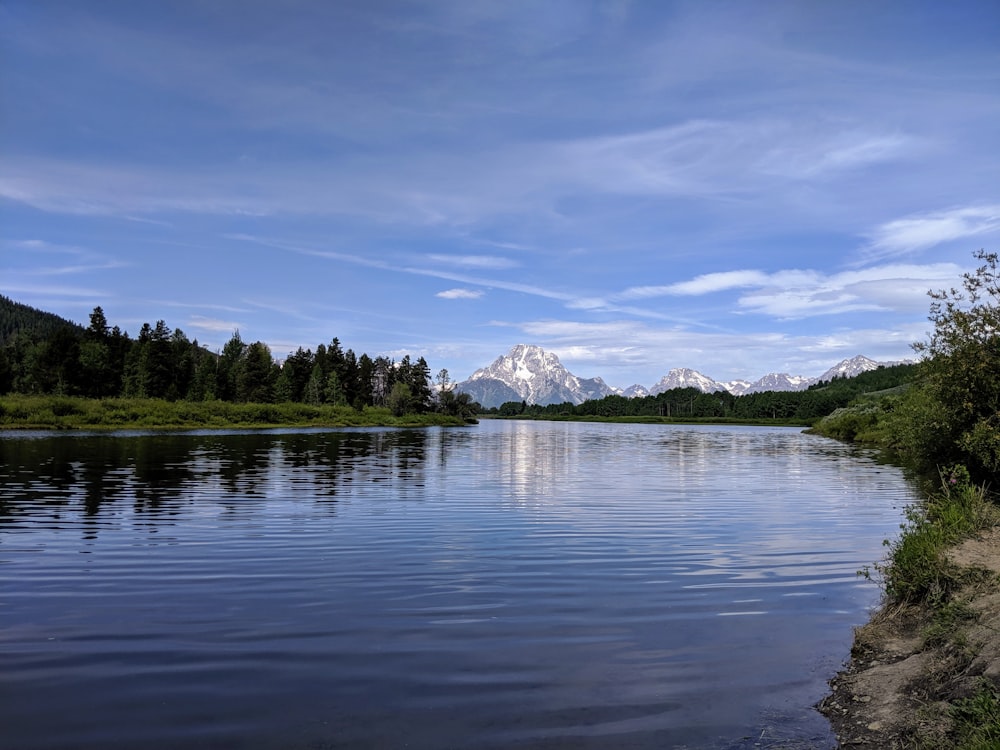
(507, 585)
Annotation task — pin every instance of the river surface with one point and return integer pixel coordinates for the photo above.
(507, 585)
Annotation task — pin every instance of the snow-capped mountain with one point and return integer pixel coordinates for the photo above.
(635, 391)
(778, 381)
(737, 387)
(849, 368)
(684, 378)
(529, 373)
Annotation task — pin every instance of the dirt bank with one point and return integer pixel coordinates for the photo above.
(909, 667)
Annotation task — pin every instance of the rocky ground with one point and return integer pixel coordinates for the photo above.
(908, 666)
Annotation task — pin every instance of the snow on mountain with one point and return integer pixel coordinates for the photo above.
(737, 387)
(636, 391)
(684, 378)
(849, 368)
(780, 381)
(529, 373)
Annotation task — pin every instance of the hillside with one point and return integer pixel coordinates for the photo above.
(19, 319)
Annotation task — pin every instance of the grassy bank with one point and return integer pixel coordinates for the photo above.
(69, 413)
(945, 680)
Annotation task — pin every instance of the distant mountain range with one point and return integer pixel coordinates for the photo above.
(529, 373)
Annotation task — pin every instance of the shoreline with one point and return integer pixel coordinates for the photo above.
(922, 676)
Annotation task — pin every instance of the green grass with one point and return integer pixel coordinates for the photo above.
(918, 571)
(977, 719)
(69, 413)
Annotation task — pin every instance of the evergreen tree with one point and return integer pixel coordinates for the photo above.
(314, 388)
(156, 364)
(205, 365)
(366, 371)
(298, 368)
(255, 379)
(382, 380)
(230, 364)
(332, 392)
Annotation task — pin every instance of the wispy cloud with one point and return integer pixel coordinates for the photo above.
(46, 290)
(486, 262)
(85, 260)
(728, 157)
(703, 284)
(806, 293)
(922, 231)
(460, 294)
(717, 159)
(899, 288)
(446, 275)
(213, 324)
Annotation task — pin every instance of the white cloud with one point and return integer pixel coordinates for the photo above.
(796, 293)
(923, 231)
(44, 290)
(488, 262)
(460, 294)
(727, 158)
(212, 324)
(834, 152)
(704, 284)
(899, 288)
(734, 159)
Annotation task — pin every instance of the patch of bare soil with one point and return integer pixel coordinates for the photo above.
(896, 690)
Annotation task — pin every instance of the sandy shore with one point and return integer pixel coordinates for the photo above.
(906, 671)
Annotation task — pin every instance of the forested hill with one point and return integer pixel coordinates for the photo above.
(17, 318)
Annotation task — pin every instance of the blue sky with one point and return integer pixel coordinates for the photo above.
(735, 187)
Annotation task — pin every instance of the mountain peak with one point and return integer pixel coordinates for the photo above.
(529, 373)
(683, 377)
(849, 368)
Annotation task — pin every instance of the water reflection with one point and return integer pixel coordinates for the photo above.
(164, 474)
(516, 584)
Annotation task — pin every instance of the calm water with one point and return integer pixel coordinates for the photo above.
(531, 585)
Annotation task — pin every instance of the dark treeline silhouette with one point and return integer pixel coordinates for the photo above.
(41, 353)
(690, 403)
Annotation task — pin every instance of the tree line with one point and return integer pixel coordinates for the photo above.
(43, 354)
(690, 403)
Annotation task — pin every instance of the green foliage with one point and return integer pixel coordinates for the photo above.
(458, 405)
(690, 404)
(22, 321)
(400, 399)
(66, 412)
(44, 355)
(946, 622)
(918, 570)
(951, 412)
(959, 379)
(977, 719)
